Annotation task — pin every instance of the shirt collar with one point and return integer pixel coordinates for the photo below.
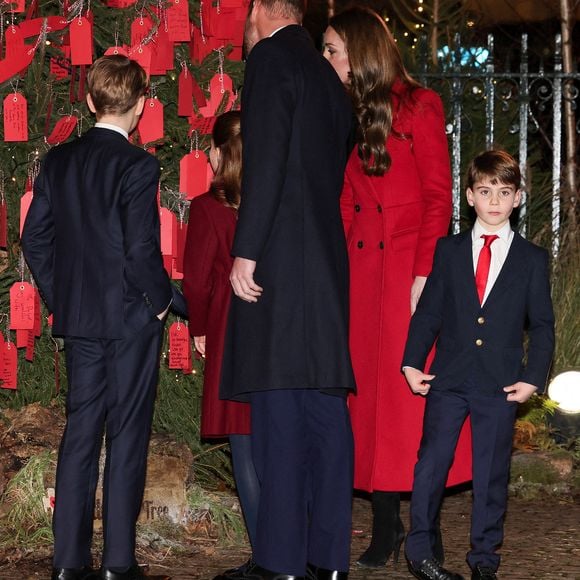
(504, 234)
(278, 29)
(112, 128)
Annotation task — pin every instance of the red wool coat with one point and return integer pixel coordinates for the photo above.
(207, 264)
(392, 224)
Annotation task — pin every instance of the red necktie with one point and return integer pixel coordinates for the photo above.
(483, 262)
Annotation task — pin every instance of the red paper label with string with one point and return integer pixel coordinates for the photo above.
(15, 118)
(178, 345)
(22, 306)
(81, 41)
(193, 174)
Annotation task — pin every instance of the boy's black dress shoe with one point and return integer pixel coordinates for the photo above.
(255, 572)
(132, 573)
(316, 573)
(431, 570)
(85, 573)
(483, 573)
(235, 573)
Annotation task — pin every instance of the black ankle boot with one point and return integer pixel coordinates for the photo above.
(388, 530)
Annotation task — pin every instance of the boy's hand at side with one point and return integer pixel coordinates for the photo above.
(199, 343)
(418, 381)
(519, 392)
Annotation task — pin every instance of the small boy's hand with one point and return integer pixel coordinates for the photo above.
(417, 380)
(199, 343)
(519, 392)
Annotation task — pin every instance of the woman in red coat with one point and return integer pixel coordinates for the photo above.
(206, 286)
(396, 203)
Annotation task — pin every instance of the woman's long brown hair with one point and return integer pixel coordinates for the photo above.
(375, 63)
(226, 184)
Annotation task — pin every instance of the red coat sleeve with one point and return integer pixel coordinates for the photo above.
(431, 152)
(200, 250)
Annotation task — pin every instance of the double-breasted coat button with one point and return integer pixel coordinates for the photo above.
(381, 245)
(357, 207)
(481, 320)
(479, 342)
(360, 244)
(379, 209)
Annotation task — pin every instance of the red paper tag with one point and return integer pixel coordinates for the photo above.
(22, 306)
(181, 237)
(9, 368)
(16, 5)
(25, 202)
(193, 174)
(204, 125)
(60, 66)
(62, 130)
(21, 337)
(151, 123)
(162, 54)
(140, 28)
(29, 356)
(184, 94)
(220, 87)
(198, 95)
(141, 54)
(178, 345)
(81, 41)
(15, 118)
(3, 224)
(13, 42)
(178, 21)
(168, 221)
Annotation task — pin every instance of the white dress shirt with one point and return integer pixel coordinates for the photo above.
(499, 251)
(113, 128)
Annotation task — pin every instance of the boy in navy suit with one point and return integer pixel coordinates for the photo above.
(91, 240)
(488, 285)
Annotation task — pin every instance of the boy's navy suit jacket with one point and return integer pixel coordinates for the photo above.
(91, 237)
(485, 342)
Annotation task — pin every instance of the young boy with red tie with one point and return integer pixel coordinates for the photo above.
(488, 285)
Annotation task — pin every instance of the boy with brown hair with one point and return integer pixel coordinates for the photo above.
(488, 285)
(91, 240)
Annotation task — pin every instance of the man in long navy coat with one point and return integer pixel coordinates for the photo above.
(287, 343)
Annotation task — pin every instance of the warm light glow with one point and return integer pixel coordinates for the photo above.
(565, 390)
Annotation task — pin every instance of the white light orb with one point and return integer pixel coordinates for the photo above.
(565, 390)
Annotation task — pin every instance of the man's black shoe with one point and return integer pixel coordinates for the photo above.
(132, 573)
(431, 570)
(235, 573)
(483, 573)
(85, 573)
(255, 572)
(316, 573)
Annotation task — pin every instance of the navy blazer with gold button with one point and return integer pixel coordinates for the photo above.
(487, 340)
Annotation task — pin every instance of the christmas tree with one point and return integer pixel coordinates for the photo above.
(192, 52)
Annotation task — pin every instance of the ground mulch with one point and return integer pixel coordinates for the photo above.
(542, 541)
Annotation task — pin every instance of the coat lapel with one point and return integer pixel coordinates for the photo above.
(465, 265)
(513, 266)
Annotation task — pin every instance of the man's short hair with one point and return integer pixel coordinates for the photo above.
(115, 84)
(294, 9)
(495, 165)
